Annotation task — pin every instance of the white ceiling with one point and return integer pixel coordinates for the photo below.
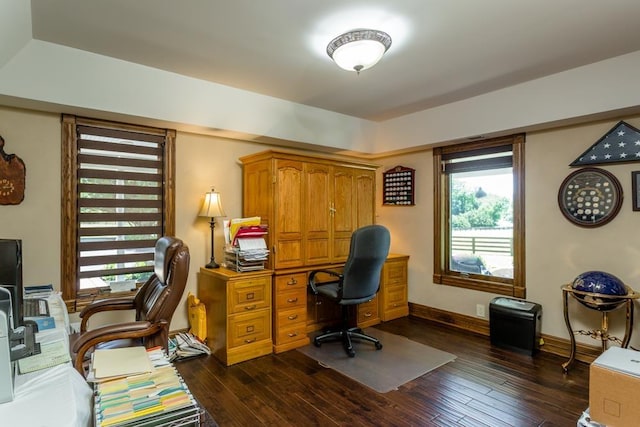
(442, 51)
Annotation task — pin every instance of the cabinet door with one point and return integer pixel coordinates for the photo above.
(365, 198)
(288, 233)
(344, 212)
(257, 198)
(317, 219)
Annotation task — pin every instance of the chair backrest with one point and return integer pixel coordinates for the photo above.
(367, 254)
(159, 297)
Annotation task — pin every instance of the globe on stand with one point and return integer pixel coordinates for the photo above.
(597, 290)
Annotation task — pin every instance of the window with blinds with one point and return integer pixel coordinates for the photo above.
(120, 213)
(117, 202)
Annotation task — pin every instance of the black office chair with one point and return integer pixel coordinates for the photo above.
(358, 283)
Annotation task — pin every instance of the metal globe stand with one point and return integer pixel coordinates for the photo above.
(605, 303)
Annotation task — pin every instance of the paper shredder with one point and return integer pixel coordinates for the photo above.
(515, 324)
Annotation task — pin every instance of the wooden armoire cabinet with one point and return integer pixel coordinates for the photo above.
(311, 205)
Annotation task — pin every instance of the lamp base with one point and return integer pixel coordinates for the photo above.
(212, 264)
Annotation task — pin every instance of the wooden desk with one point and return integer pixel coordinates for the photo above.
(296, 313)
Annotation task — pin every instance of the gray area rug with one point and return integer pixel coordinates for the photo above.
(399, 361)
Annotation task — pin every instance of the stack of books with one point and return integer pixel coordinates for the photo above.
(158, 397)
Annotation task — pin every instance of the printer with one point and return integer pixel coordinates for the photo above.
(16, 342)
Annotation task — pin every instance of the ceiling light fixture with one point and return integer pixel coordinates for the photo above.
(359, 49)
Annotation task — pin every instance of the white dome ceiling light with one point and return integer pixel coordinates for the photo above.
(358, 50)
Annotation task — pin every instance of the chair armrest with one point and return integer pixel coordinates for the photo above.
(123, 303)
(129, 330)
(312, 278)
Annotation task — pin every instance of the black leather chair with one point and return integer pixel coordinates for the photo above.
(358, 283)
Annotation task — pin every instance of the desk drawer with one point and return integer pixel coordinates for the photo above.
(368, 311)
(247, 295)
(291, 318)
(290, 282)
(291, 299)
(395, 296)
(291, 334)
(394, 273)
(248, 328)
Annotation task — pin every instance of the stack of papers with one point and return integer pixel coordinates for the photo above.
(248, 249)
(155, 398)
(186, 345)
(120, 362)
(51, 354)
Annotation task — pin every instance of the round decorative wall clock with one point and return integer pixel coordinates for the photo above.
(590, 197)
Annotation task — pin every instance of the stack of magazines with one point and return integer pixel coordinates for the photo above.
(185, 345)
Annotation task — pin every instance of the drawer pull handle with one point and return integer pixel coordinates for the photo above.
(292, 334)
(292, 282)
(250, 340)
(368, 315)
(292, 317)
(250, 307)
(292, 300)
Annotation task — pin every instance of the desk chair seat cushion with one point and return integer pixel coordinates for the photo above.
(333, 290)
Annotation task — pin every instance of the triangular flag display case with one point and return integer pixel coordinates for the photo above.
(620, 145)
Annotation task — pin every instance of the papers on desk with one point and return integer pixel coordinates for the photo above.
(51, 354)
(247, 249)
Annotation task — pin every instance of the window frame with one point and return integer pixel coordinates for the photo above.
(441, 273)
(70, 283)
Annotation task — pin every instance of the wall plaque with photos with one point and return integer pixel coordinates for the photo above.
(398, 186)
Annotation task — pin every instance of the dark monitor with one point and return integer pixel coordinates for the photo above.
(11, 276)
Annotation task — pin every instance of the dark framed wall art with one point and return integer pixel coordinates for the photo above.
(398, 186)
(635, 188)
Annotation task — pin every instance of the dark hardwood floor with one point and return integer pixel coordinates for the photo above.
(484, 386)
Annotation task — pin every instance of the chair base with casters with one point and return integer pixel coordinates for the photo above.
(346, 334)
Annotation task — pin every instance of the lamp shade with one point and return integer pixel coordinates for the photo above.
(358, 50)
(212, 206)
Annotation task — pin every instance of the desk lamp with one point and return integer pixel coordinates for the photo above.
(212, 208)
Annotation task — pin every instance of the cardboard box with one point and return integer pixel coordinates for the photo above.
(614, 388)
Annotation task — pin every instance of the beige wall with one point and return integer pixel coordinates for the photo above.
(556, 250)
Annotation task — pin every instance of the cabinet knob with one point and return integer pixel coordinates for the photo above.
(292, 334)
(292, 282)
(292, 317)
(250, 307)
(250, 340)
(292, 300)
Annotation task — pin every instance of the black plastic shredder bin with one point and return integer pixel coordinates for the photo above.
(515, 324)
